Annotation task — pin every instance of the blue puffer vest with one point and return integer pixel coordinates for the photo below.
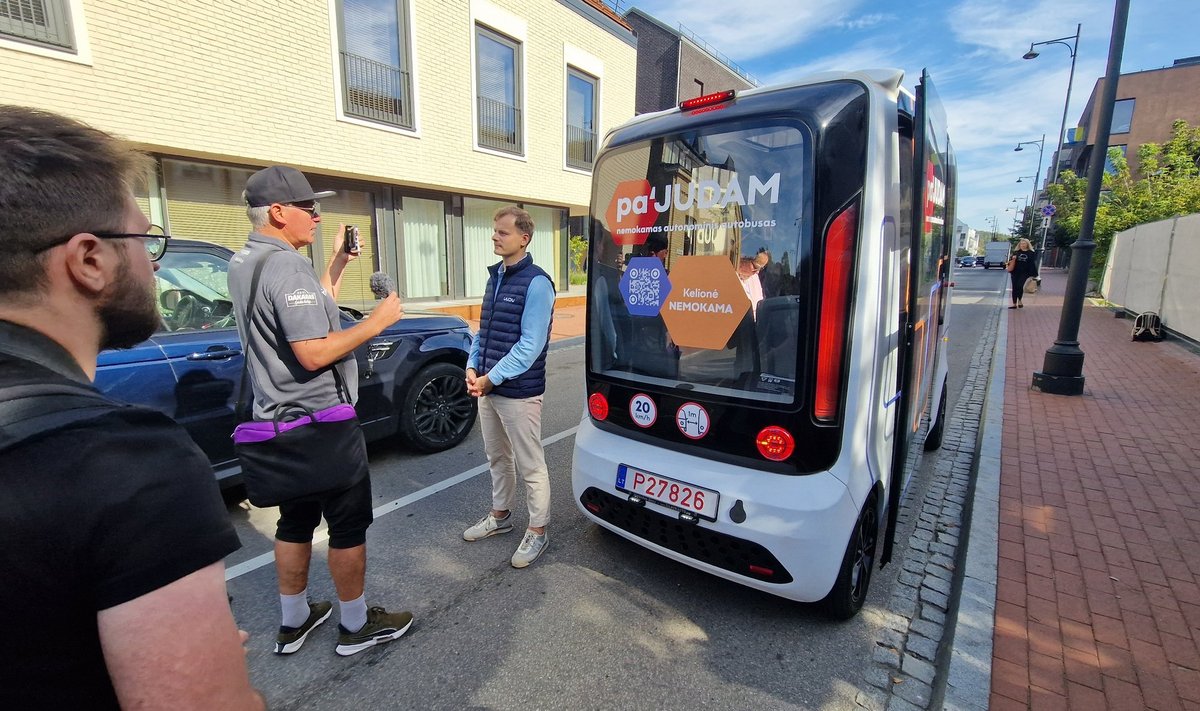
(500, 327)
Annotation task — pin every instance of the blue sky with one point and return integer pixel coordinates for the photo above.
(972, 49)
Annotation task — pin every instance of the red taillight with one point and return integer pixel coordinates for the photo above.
(598, 406)
(775, 443)
(835, 311)
(759, 570)
(594, 508)
(707, 100)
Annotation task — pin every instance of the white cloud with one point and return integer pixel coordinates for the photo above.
(863, 22)
(749, 29)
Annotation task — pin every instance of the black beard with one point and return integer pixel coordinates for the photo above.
(128, 312)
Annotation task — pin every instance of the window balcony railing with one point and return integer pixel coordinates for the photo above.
(581, 147)
(499, 126)
(376, 91)
(40, 21)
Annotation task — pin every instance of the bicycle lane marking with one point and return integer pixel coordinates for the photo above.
(322, 535)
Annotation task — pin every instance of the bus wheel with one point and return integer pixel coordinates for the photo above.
(850, 590)
(933, 440)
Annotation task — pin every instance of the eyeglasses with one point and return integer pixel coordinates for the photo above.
(312, 208)
(155, 240)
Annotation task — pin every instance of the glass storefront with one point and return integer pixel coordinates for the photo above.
(478, 253)
(423, 230)
(350, 207)
(203, 201)
(549, 236)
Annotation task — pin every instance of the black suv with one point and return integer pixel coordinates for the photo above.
(411, 377)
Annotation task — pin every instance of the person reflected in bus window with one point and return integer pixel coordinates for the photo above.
(1022, 265)
(768, 273)
(747, 271)
(656, 246)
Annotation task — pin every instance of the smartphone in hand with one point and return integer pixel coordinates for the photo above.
(351, 243)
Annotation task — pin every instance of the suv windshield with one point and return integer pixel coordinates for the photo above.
(697, 247)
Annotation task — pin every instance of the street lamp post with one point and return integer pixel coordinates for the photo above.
(1032, 205)
(1041, 144)
(1062, 127)
(1062, 369)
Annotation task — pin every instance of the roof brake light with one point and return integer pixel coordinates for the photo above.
(707, 100)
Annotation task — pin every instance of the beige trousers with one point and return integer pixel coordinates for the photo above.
(512, 437)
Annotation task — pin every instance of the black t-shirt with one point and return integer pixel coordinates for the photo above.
(94, 515)
(1025, 267)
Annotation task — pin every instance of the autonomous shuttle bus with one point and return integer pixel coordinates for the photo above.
(767, 302)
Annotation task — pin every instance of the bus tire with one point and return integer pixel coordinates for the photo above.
(854, 577)
(933, 439)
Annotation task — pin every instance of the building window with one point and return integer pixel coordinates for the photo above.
(1109, 168)
(581, 120)
(376, 81)
(498, 91)
(1122, 118)
(43, 22)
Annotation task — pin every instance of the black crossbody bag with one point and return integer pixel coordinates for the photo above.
(300, 453)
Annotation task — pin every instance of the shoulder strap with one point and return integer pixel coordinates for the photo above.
(241, 410)
(30, 410)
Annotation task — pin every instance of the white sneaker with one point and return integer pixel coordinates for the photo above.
(489, 525)
(532, 546)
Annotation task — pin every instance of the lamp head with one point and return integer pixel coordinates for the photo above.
(1019, 180)
(1031, 54)
(1018, 148)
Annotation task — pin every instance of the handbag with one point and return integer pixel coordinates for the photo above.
(312, 453)
(300, 452)
(1012, 264)
(1031, 286)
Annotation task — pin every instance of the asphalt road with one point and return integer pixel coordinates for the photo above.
(597, 622)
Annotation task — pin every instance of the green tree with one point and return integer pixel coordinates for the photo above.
(1167, 185)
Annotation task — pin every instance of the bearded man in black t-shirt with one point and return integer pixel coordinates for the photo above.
(113, 528)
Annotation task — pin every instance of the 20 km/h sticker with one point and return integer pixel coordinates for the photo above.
(642, 410)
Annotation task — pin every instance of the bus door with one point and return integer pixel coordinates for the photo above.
(923, 308)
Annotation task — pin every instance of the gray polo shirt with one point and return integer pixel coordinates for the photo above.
(291, 305)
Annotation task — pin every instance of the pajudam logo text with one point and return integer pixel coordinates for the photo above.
(635, 204)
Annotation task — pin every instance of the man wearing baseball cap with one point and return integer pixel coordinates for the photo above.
(298, 352)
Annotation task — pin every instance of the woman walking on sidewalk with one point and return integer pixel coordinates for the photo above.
(1021, 266)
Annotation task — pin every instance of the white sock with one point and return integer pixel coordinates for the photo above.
(295, 608)
(354, 613)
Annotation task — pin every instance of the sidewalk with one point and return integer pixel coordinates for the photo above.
(570, 317)
(1097, 602)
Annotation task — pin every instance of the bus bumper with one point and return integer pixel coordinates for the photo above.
(785, 535)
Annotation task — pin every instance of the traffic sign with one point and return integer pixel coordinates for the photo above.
(1048, 211)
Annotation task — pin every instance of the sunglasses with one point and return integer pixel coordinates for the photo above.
(155, 241)
(312, 208)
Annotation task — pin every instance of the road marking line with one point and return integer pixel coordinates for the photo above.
(322, 535)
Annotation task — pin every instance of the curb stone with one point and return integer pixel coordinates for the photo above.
(919, 610)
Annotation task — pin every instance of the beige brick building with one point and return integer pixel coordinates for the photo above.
(425, 115)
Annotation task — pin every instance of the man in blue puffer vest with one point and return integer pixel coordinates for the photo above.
(506, 370)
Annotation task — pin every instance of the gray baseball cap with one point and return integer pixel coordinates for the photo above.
(280, 184)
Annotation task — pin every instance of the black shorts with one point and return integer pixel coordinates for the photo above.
(348, 513)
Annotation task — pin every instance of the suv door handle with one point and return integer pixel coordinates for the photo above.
(215, 353)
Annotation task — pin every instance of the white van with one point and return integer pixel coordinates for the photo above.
(995, 254)
(767, 298)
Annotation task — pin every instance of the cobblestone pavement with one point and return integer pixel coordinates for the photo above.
(905, 662)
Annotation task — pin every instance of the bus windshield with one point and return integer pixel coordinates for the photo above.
(697, 250)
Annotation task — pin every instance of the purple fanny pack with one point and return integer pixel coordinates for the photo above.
(262, 431)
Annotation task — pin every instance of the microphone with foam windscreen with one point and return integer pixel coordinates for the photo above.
(382, 284)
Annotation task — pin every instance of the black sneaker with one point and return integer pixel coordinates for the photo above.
(290, 639)
(382, 626)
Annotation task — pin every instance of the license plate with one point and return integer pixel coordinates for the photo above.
(669, 492)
